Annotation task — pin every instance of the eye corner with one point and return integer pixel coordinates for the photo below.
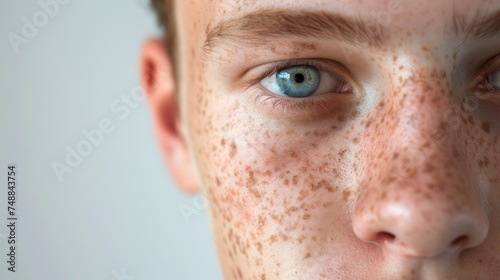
(488, 79)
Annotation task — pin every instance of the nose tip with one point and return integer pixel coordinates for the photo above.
(398, 229)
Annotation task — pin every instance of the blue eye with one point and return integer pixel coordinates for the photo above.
(301, 81)
(298, 81)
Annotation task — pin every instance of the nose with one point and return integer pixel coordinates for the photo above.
(421, 229)
(417, 195)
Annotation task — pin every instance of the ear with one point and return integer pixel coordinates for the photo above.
(158, 81)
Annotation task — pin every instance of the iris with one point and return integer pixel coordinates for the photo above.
(298, 81)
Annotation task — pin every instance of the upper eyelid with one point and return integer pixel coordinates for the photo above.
(329, 66)
(306, 62)
(491, 66)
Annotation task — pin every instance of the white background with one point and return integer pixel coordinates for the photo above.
(116, 216)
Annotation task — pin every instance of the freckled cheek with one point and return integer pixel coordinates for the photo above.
(223, 137)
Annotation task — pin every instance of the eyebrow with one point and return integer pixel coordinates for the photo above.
(477, 27)
(267, 24)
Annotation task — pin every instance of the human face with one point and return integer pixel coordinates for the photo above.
(386, 169)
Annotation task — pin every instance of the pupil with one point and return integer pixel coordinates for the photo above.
(299, 78)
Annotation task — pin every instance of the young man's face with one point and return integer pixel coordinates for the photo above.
(341, 139)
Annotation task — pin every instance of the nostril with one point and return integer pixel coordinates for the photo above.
(458, 244)
(459, 241)
(384, 237)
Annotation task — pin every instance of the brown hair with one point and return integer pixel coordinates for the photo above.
(165, 15)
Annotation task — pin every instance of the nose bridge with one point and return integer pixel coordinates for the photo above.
(415, 138)
(424, 135)
(415, 189)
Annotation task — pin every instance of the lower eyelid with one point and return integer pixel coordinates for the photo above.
(311, 107)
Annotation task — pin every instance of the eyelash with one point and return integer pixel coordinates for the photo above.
(481, 83)
(261, 97)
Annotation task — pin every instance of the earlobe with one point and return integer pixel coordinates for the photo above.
(158, 81)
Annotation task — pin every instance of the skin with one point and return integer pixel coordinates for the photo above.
(397, 179)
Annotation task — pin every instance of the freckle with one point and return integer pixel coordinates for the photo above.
(292, 209)
(384, 195)
(306, 216)
(346, 194)
(395, 155)
(284, 237)
(273, 239)
(486, 127)
(314, 187)
(234, 150)
(368, 123)
(308, 255)
(322, 184)
(342, 153)
(223, 142)
(301, 238)
(263, 277)
(259, 247)
(303, 194)
(267, 134)
(422, 99)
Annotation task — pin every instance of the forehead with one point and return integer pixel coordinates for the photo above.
(408, 23)
(394, 14)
